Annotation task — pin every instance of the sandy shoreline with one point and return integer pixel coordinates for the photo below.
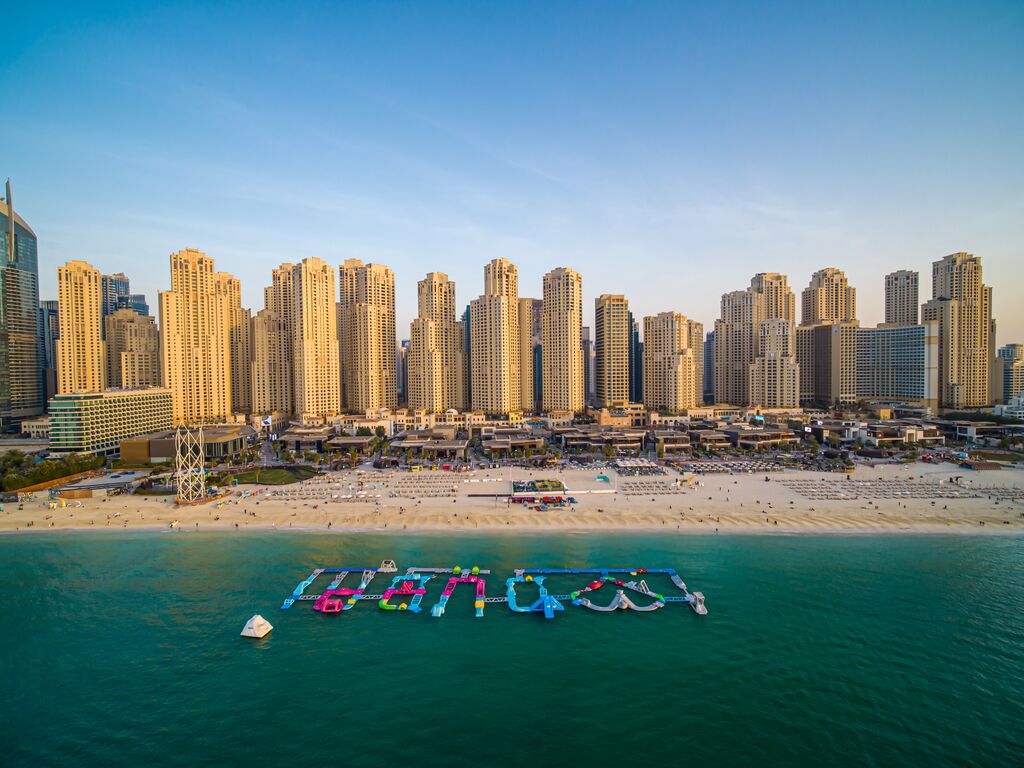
(709, 504)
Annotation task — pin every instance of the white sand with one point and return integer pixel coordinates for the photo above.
(716, 504)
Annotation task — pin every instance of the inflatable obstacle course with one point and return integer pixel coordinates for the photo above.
(407, 591)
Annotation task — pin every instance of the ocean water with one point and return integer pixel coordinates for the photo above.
(123, 649)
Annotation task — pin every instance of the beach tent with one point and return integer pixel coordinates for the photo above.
(257, 626)
(603, 478)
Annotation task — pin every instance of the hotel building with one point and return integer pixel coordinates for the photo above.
(96, 422)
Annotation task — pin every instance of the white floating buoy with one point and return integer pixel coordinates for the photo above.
(257, 627)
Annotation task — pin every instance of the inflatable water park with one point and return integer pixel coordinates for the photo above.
(526, 591)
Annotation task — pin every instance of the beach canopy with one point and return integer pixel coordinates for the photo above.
(257, 626)
(603, 478)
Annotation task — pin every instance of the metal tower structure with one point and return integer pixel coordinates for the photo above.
(188, 463)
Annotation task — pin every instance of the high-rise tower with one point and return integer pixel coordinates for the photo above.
(563, 384)
(495, 343)
(435, 364)
(81, 354)
(962, 305)
(366, 334)
(195, 341)
(611, 350)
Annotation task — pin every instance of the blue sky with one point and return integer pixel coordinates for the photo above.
(667, 151)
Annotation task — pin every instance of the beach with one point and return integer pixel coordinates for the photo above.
(915, 498)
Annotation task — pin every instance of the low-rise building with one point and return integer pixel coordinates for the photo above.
(220, 442)
(747, 437)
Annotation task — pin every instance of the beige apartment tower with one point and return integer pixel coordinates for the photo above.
(695, 336)
(239, 330)
(829, 298)
(366, 335)
(670, 370)
(494, 333)
(611, 350)
(961, 304)
(531, 314)
(81, 353)
(133, 350)
(273, 332)
(561, 345)
(755, 363)
(826, 340)
(316, 392)
(195, 341)
(270, 369)
(901, 298)
(435, 359)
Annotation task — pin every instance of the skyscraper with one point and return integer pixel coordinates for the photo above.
(826, 340)
(636, 362)
(562, 341)
(402, 370)
(695, 338)
(49, 324)
(133, 350)
(195, 341)
(239, 330)
(531, 372)
(273, 364)
(962, 305)
(435, 361)
(709, 368)
(21, 381)
(271, 367)
(670, 376)
(366, 328)
(741, 358)
(495, 365)
(612, 328)
(901, 298)
(588, 366)
(81, 354)
(316, 389)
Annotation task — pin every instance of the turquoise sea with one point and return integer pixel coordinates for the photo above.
(123, 649)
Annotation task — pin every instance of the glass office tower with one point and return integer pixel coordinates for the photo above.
(21, 378)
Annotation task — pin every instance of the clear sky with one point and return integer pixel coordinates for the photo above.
(667, 151)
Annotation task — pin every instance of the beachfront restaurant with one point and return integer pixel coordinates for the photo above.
(670, 441)
(435, 443)
(749, 438)
(598, 439)
(708, 439)
(505, 446)
(307, 438)
(361, 444)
